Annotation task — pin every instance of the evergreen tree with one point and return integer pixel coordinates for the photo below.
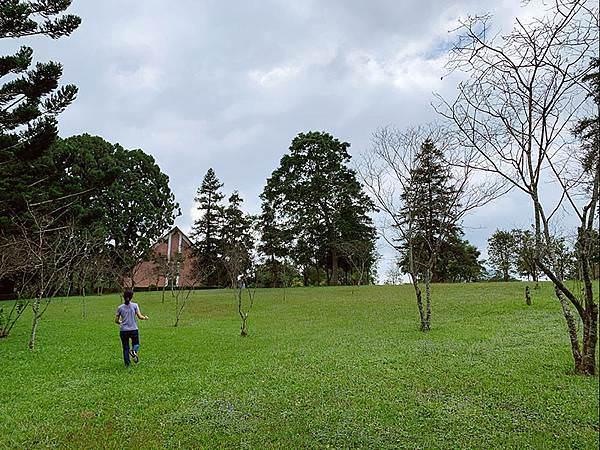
(138, 207)
(272, 245)
(565, 258)
(457, 261)
(118, 194)
(588, 131)
(207, 230)
(430, 214)
(30, 100)
(430, 203)
(588, 128)
(501, 252)
(236, 231)
(524, 254)
(319, 200)
(118, 200)
(595, 254)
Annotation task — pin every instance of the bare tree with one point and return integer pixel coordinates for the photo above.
(48, 251)
(162, 268)
(181, 296)
(125, 267)
(235, 259)
(523, 95)
(199, 273)
(361, 256)
(92, 251)
(11, 260)
(393, 274)
(181, 301)
(387, 172)
(168, 267)
(9, 319)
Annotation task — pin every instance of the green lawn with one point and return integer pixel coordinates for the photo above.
(324, 368)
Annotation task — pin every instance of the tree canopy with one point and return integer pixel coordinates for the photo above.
(121, 195)
(501, 251)
(429, 205)
(30, 100)
(316, 198)
(207, 229)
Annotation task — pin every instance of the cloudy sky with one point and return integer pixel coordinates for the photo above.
(227, 85)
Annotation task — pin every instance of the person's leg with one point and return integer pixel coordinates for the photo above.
(135, 340)
(125, 342)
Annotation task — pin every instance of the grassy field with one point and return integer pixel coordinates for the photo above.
(324, 368)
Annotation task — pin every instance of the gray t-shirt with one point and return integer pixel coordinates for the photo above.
(127, 313)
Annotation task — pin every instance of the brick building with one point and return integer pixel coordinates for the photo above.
(176, 250)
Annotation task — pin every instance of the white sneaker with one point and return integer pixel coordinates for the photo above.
(134, 356)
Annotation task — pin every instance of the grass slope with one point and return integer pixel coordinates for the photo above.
(324, 368)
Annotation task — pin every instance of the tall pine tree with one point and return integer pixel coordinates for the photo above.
(236, 232)
(207, 229)
(273, 243)
(430, 208)
(431, 202)
(30, 100)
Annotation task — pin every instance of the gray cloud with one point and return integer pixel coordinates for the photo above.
(227, 85)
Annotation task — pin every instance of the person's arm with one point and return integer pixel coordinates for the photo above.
(139, 314)
(118, 319)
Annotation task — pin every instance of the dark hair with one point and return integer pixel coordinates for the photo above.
(128, 295)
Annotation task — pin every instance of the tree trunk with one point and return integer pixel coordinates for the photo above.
(585, 364)
(419, 297)
(284, 280)
(243, 315)
(334, 267)
(35, 307)
(428, 300)
(590, 339)
(590, 320)
(572, 328)
(274, 272)
(244, 328)
(83, 300)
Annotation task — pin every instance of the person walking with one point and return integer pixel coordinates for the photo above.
(126, 319)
